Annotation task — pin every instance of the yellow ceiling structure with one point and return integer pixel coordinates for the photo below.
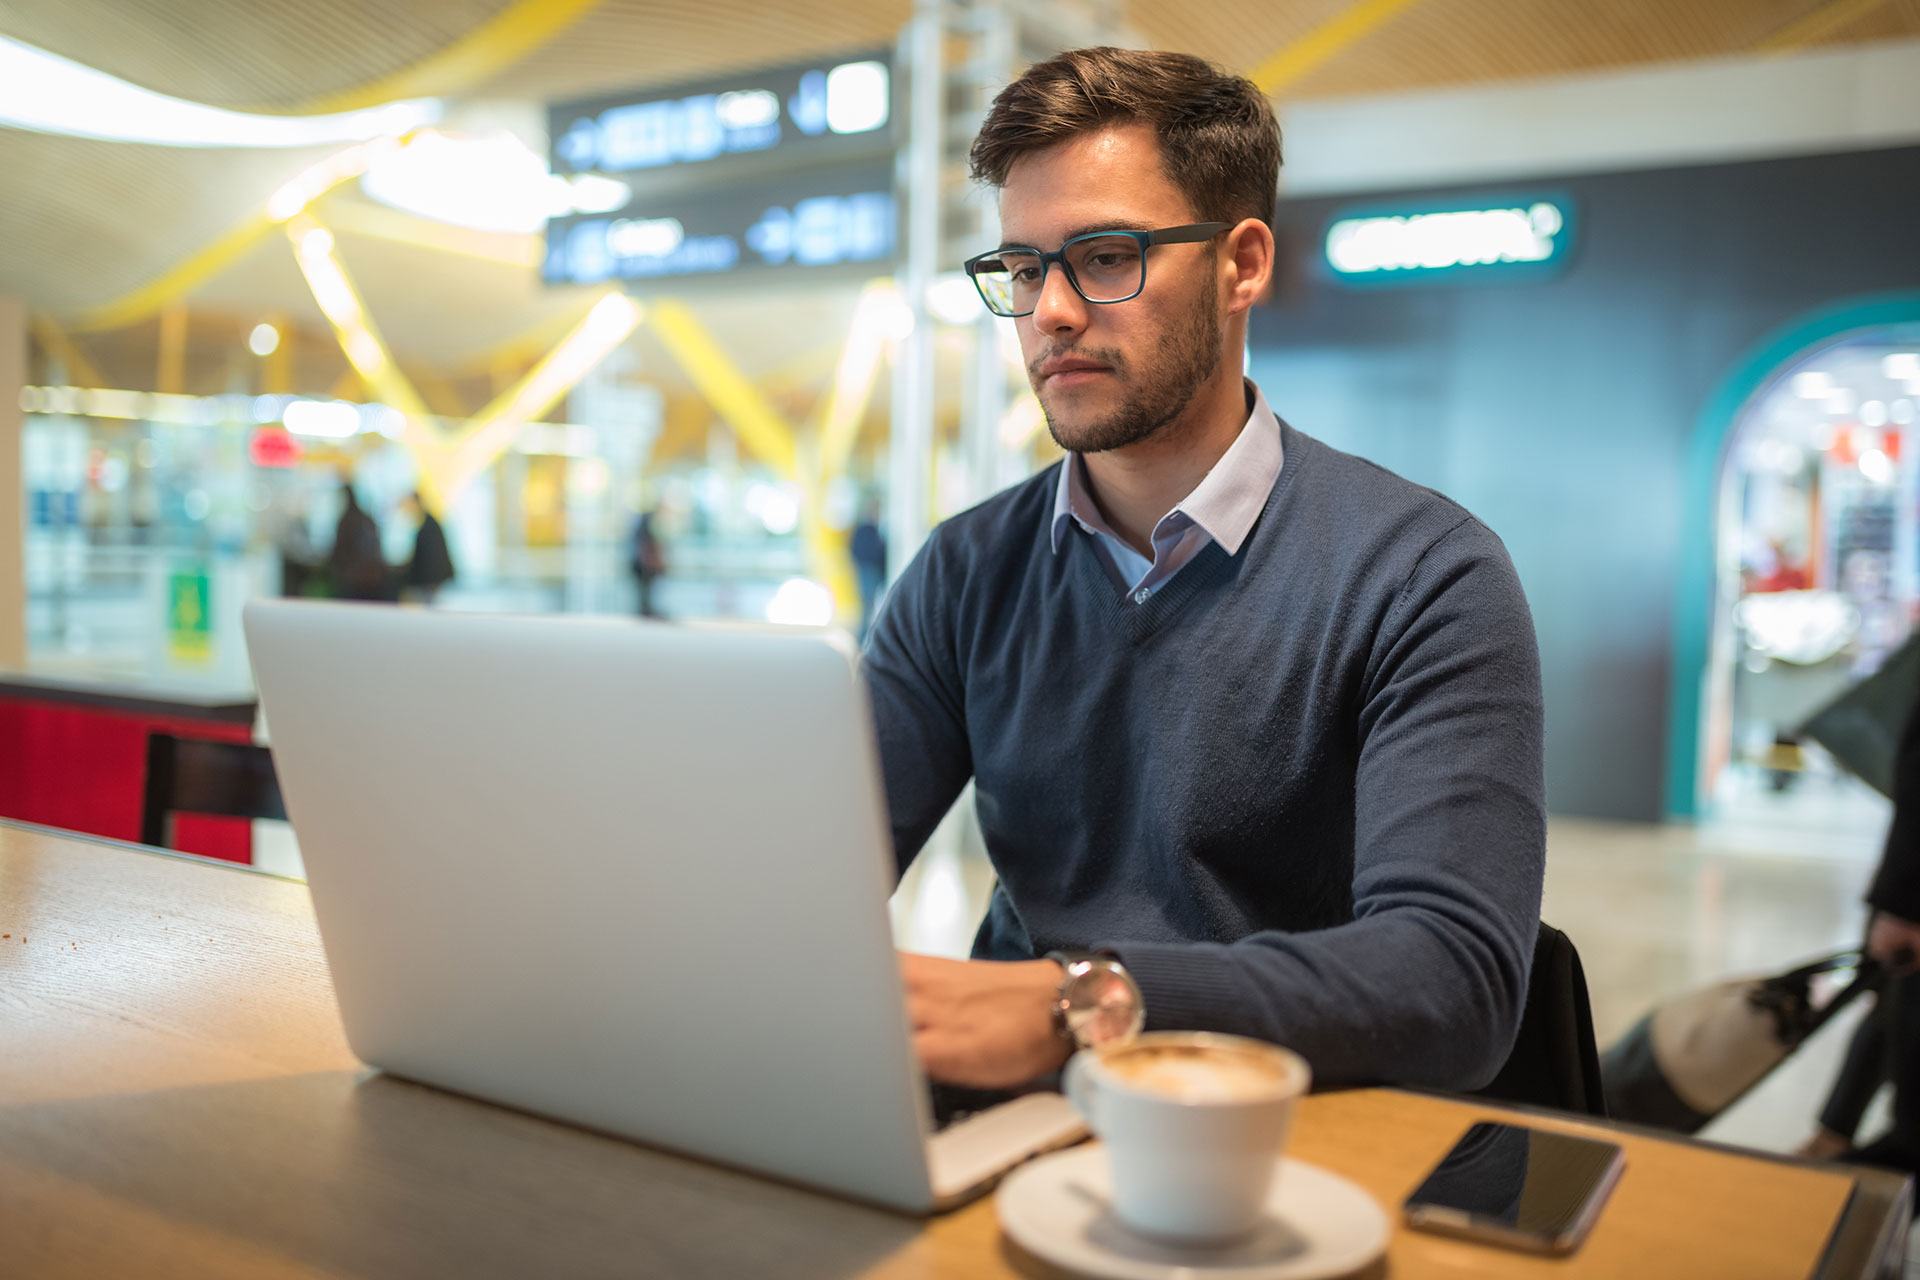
(83, 223)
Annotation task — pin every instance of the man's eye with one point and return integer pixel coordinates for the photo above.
(1026, 275)
(1110, 259)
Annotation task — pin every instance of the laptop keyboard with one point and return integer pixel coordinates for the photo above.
(952, 1103)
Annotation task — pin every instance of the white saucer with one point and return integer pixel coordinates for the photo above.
(1318, 1224)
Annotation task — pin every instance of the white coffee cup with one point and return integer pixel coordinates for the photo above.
(1193, 1124)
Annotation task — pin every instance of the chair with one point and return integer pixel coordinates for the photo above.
(1555, 1061)
(192, 775)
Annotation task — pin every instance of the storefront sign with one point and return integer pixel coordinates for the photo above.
(823, 111)
(272, 447)
(846, 216)
(1503, 239)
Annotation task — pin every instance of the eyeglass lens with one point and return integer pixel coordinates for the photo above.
(1103, 269)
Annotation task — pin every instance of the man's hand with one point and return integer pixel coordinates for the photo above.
(1894, 942)
(982, 1023)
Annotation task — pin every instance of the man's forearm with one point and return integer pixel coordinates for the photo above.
(1406, 997)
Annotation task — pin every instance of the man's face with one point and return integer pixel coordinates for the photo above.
(1110, 375)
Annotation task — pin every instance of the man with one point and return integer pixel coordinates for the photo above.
(1886, 1048)
(648, 560)
(430, 567)
(1255, 721)
(356, 564)
(868, 551)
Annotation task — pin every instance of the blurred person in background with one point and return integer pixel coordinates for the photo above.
(430, 567)
(299, 557)
(647, 560)
(356, 564)
(1254, 725)
(868, 549)
(1886, 1048)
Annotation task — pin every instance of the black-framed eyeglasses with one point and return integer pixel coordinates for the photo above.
(1102, 266)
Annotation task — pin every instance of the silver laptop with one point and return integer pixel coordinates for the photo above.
(620, 873)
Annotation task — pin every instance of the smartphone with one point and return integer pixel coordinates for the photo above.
(1522, 1188)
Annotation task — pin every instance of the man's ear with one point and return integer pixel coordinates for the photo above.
(1249, 261)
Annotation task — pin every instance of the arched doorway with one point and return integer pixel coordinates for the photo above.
(1799, 574)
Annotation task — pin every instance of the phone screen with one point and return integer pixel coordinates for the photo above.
(1517, 1185)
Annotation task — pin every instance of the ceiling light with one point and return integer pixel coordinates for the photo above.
(49, 94)
(264, 340)
(328, 420)
(316, 243)
(316, 180)
(1902, 366)
(487, 182)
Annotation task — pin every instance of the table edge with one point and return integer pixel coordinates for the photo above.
(69, 835)
(1868, 1231)
(178, 705)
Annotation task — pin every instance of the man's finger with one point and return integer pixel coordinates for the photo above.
(935, 1053)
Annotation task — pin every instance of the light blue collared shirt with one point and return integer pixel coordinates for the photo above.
(1221, 508)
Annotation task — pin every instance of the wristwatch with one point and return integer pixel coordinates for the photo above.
(1098, 1002)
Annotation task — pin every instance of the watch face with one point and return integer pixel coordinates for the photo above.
(1103, 1006)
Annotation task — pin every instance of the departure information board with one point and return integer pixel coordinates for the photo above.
(842, 216)
(830, 111)
(779, 171)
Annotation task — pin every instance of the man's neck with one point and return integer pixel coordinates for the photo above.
(1137, 485)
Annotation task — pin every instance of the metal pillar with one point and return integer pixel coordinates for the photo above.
(957, 55)
(910, 441)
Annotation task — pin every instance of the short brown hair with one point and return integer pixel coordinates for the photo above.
(1219, 141)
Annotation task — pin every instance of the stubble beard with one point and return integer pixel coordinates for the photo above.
(1187, 357)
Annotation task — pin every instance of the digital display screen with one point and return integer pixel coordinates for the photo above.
(1524, 1180)
(826, 111)
(845, 216)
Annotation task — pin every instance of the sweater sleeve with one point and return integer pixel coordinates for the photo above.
(1426, 984)
(913, 681)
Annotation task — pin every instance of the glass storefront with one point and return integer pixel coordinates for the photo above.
(152, 519)
(1817, 576)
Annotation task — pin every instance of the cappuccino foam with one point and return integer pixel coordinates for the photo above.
(1198, 1073)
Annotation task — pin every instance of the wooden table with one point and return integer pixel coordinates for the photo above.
(176, 1099)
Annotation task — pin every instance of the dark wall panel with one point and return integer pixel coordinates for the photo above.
(1560, 412)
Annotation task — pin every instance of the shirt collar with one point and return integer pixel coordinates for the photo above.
(1225, 503)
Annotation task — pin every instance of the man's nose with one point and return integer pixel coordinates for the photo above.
(1059, 309)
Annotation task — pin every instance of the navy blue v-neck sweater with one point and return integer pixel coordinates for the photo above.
(1298, 791)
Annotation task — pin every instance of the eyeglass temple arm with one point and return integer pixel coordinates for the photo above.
(1189, 235)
